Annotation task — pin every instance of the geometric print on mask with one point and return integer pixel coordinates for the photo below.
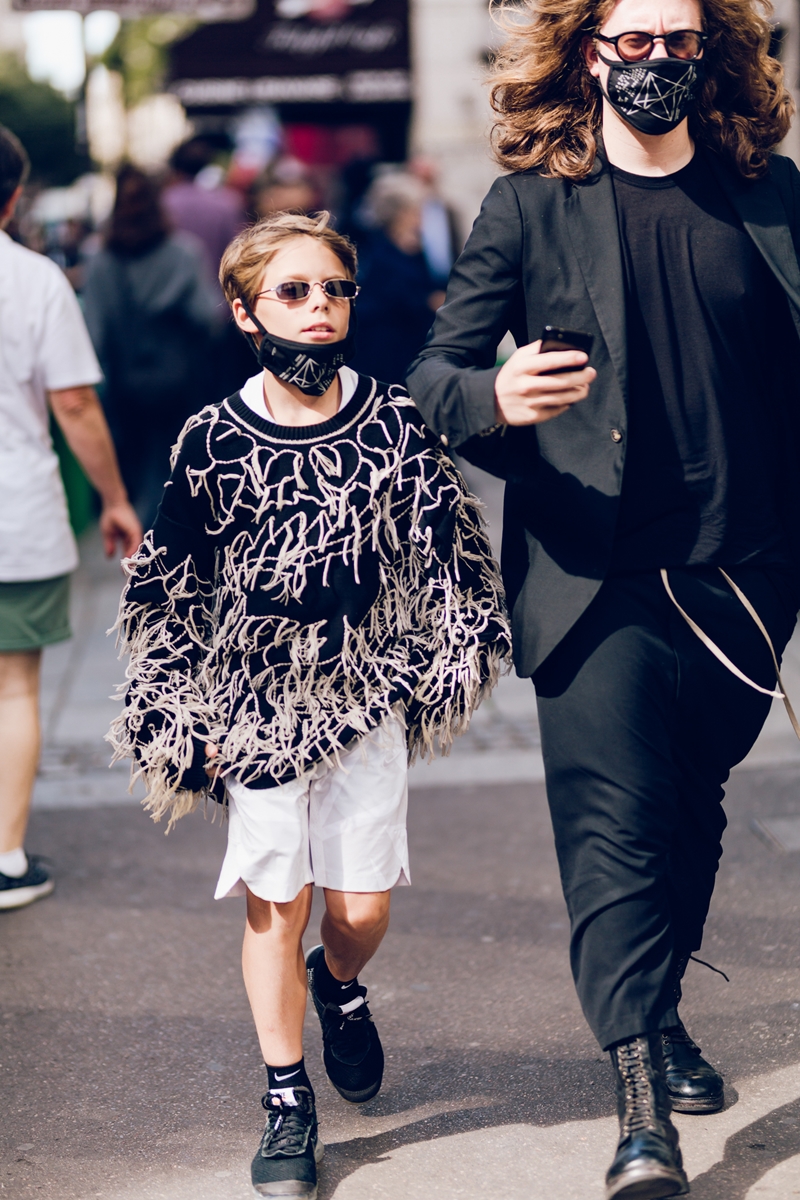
(643, 89)
(309, 376)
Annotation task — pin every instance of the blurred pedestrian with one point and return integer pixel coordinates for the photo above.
(284, 187)
(214, 215)
(47, 365)
(152, 314)
(355, 180)
(440, 236)
(299, 622)
(65, 246)
(399, 295)
(652, 531)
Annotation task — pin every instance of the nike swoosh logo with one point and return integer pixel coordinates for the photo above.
(280, 1078)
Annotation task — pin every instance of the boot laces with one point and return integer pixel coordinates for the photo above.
(676, 1035)
(288, 1125)
(639, 1109)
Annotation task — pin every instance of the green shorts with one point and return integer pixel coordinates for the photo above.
(34, 614)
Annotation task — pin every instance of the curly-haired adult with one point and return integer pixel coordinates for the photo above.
(550, 109)
(652, 497)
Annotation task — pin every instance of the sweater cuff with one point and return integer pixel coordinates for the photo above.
(195, 778)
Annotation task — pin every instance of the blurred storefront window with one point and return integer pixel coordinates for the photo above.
(336, 73)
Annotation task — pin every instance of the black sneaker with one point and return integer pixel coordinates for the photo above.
(351, 1049)
(33, 885)
(286, 1162)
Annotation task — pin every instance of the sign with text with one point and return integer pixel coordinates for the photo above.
(297, 51)
(204, 10)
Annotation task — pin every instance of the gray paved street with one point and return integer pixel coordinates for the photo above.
(129, 1068)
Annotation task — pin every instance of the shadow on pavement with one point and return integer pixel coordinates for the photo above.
(127, 1047)
(750, 1153)
(550, 1107)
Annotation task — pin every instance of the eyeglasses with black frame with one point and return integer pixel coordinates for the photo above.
(296, 289)
(637, 46)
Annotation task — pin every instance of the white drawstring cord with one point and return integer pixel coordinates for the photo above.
(780, 692)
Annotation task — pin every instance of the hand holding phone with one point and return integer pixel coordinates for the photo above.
(527, 394)
(554, 338)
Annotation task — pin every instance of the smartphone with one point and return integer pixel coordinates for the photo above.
(554, 338)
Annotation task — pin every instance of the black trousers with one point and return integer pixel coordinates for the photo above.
(640, 726)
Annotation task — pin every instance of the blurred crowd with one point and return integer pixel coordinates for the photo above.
(147, 278)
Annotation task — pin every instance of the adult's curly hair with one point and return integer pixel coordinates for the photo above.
(549, 107)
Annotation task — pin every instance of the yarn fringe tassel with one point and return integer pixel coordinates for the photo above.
(436, 638)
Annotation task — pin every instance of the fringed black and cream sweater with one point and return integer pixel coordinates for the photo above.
(298, 585)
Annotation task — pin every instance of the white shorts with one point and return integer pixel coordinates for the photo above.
(338, 827)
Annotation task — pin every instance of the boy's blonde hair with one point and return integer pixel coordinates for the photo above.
(244, 260)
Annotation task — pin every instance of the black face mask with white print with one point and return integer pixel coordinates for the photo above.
(310, 368)
(653, 96)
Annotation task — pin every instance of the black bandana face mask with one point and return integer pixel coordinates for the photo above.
(655, 95)
(310, 368)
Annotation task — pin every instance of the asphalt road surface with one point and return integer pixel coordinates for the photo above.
(129, 1068)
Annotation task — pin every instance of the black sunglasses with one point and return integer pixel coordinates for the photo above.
(636, 47)
(295, 289)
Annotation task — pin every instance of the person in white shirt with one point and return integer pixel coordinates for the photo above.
(47, 364)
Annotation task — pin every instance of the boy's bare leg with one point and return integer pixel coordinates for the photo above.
(19, 742)
(352, 929)
(275, 974)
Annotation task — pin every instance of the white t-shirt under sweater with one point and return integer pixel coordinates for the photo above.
(253, 392)
(44, 346)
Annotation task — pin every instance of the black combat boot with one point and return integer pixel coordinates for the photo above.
(694, 1086)
(648, 1163)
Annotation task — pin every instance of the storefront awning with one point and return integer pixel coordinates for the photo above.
(204, 10)
(297, 52)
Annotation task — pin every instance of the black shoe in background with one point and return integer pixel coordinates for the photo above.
(351, 1049)
(648, 1164)
(286, 1162)
(694, 1086)
(35, 884)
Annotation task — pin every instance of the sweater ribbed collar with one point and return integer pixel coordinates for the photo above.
(271, 432)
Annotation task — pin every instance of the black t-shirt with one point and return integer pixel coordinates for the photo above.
(705, 320)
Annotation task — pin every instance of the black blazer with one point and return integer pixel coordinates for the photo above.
(547, 252)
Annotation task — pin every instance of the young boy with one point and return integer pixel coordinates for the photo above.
(316, 601)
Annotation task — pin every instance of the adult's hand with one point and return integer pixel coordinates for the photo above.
(524, 395)
(120, 524)
(83, 424)
(212, 750)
